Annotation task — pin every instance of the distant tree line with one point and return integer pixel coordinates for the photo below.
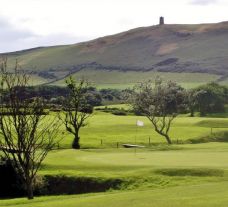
(55, 95)
(205, 99)
(202, 100)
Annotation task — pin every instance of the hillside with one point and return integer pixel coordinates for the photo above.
(188, 49)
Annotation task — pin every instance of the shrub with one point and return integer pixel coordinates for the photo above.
(11, 185)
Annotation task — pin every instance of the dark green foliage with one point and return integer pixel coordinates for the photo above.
(119, 112)
(57, 185)
(209, 98)
(10, 182)
(94, 98)
(56, 95)
(160, 102)
(12, 187)
(111, 94)
(115, 111)
(215, 137)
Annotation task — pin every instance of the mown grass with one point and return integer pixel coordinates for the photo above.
(126, 162)
(106, 130)
(208, 194)
(152, 178)
(158, 175)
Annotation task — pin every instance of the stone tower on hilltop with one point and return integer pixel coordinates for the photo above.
(162, 21)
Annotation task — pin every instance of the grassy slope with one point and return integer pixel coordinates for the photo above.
(210, 195)
(151, 189)
(117, 79)
(138, 49)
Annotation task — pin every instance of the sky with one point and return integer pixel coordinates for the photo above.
(32, 23)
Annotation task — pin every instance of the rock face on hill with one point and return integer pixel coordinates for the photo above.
(173, 48)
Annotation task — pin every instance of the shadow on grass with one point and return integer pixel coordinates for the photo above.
(191, 172)
(215, 137)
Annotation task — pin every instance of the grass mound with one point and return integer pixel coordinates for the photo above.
(191, 172)
(215, 137)
(213, 123)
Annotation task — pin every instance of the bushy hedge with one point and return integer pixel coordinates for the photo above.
(11, 185)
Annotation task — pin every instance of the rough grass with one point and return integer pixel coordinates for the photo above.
(121, 80)
(139, 49)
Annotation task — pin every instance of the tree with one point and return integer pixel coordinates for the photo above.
(26, 136)
(160, 103)
(211, 98)
(77, 108)
(191, 101)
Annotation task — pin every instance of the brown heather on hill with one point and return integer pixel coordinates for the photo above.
(165, 48)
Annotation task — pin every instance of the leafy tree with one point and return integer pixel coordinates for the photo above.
(191, 101)
(77, 108)
(211, 98)
(25, 135)
(160, 103)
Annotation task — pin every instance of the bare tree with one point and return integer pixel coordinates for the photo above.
(160, 103)
(26, 136)
(77, 108)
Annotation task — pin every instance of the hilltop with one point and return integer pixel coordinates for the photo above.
(162, 49)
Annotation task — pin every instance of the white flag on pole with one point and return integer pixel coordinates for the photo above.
(139, 123)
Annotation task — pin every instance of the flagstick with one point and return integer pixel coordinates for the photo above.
(136, 133)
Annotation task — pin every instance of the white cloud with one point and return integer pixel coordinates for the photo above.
(204, 2)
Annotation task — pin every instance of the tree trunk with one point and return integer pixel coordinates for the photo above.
(168, 139)
(76, 144)
(29, 186)
(192, 113)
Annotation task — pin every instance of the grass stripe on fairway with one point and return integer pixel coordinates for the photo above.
(204, 195)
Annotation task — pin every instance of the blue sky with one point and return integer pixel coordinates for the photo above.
(32, 23)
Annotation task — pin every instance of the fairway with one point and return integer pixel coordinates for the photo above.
(126, 162)
(208, 195)
(159, 175)
(149, 186)
(111, 129)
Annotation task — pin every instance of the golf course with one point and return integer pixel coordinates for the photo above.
(183, 174)
(109, 103)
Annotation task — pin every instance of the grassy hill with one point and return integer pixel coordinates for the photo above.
(157, 49)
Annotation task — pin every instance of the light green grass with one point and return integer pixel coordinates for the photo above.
(205, 195)
(145, 184)
(112, 129)
(128, 162)
(121, 80)
(150, 188)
